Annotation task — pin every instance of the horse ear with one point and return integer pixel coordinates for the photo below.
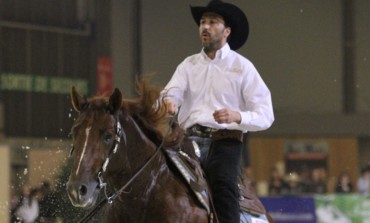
(115, 101)
(78, 102)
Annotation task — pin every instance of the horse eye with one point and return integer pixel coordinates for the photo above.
(108, 138)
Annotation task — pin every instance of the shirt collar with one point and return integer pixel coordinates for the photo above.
(221, 53)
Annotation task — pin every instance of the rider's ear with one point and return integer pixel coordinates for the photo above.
(78, 102)
(115, 101)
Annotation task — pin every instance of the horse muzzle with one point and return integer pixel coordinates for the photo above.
(82, 194)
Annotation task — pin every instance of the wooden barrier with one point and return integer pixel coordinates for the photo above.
(4, 183)
(341, 156)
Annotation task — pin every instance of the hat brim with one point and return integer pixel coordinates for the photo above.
(232, 15)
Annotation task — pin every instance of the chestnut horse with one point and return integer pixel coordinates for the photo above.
(116, 142)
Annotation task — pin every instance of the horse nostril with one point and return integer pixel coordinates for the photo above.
(83, 190)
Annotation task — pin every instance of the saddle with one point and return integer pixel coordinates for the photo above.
(182, 155)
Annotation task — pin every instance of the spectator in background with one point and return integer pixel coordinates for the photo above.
(294, 184)
(27, 209)
(363, 182)
(277, 184)
(305, 179)
(248, 178)
(318, 181)
(344, 184)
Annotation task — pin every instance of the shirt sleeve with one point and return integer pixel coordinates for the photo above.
(257, 113)
(177, 85)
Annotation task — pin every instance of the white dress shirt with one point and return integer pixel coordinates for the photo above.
(201, 85)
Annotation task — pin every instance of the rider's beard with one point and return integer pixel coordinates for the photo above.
(210, 46)
(213, 43)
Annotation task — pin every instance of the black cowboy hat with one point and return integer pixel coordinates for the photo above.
(233, 16)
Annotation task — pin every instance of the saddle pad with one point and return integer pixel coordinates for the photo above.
(249, 201)
(178, 158)
(249, 218)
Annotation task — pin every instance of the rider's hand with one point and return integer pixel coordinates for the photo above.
(227, 115)
(170, 105)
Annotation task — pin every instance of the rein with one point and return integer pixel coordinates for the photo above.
(109, 198)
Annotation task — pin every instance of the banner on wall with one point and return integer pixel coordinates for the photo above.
(333, 208)
(104, 76)
(21, 82)
(350, 208)
(290, 209)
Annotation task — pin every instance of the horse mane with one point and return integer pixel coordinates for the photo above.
(149, 113)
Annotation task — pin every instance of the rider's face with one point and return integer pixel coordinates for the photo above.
(212, 30)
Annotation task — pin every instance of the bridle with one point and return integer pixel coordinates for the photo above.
(117, 139)
(109, 198)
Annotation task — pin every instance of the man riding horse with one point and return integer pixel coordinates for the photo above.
(119, 143)
(221, 96)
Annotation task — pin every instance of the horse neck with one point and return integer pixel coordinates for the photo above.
(136, 149)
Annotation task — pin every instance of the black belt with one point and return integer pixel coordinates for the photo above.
(214, 134)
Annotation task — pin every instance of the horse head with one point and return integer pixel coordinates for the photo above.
(99, 157)
(95, 135)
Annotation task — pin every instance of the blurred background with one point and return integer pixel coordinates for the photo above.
(314, 55)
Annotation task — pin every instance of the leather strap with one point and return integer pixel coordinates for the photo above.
(214, 134)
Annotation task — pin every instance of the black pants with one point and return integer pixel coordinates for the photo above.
(222, 168)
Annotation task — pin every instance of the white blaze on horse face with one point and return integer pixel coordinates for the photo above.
(87, 131)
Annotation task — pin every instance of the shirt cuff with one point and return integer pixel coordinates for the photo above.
(245, 119)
